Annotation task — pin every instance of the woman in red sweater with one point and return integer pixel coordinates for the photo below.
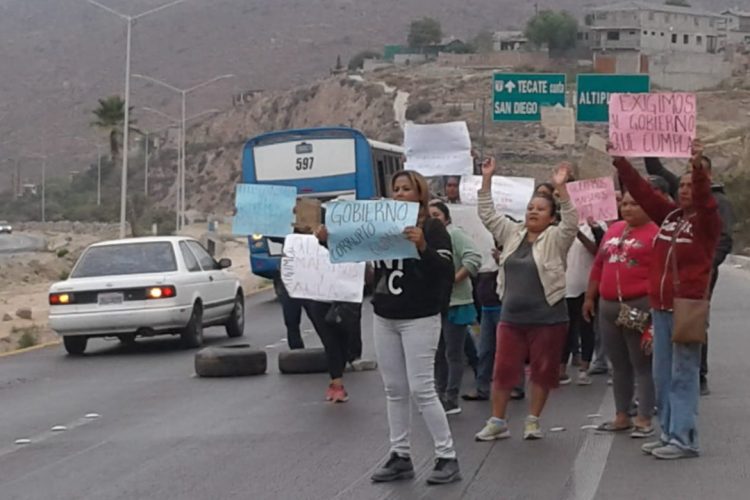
(619, 279)
(694, 225)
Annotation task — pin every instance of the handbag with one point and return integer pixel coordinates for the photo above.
(629, 317)
(690, 316)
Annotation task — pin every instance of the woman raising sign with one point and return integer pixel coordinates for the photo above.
(531, 285)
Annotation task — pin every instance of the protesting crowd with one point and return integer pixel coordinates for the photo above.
(627, 297)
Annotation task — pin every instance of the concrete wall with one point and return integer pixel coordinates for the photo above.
(537, 60)
(624, 63)
(688, 72)
(404, 59)
(375, 64)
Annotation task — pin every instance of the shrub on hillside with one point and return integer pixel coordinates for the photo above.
(420, 108)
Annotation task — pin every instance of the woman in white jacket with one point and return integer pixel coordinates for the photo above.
(531, 285)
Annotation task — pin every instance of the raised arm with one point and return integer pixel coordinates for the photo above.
(707, 210)
(656, 206)
(568, 228)
(497, 224)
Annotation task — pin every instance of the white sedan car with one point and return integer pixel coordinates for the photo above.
(146, 287)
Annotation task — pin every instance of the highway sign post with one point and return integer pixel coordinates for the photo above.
(593, 91)
(520, 97)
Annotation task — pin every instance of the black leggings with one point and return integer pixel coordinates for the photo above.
(336, 338)
(578, 328)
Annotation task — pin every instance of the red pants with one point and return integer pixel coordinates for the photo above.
(541, 344)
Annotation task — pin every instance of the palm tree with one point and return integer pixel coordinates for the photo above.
(110, 116)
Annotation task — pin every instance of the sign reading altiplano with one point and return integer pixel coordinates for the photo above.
(592, 96)
(520, 97)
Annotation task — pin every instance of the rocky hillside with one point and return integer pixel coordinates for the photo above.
(58, 57)
(443, 94)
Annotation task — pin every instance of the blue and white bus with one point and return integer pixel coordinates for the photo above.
(323, 163)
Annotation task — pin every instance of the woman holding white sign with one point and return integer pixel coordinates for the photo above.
(531, 285)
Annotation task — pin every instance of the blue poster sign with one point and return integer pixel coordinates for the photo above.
(361, 231)
(264, 209)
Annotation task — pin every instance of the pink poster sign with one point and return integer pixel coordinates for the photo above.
(594, 198)
(652, 125)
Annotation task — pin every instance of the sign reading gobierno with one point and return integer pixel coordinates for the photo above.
(361, 231)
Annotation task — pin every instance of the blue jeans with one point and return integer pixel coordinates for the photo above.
(487, 345)
(676, 379)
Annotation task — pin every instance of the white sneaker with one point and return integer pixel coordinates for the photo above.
(584, 378)
(363, 365)
(532, 430)
(495, 428)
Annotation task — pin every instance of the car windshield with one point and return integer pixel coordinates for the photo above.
(131, 258)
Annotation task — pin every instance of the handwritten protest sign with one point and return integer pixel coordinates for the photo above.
(594, 198)
(510, 194)
(360, 231)
(264, 209)
(439, 149)
(467, 218)
(307, 272)
(596, 162)
(648, 125)
(561, 123)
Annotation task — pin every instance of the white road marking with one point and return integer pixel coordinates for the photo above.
(589, 465)
(54, 431)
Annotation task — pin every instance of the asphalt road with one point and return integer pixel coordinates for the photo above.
(15, 243)
(164, 434)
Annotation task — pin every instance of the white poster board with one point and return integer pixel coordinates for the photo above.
(467, 218)
(510, 194)
(307, 272)
(438, 149)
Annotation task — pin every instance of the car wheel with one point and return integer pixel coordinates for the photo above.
(192, 334)
(75, 346)
(236, 324)
(230, 361)
(303, 361)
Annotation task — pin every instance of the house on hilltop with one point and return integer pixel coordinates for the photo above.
(680, 47)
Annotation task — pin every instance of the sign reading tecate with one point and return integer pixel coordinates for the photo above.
(520, 97)
(304, 160)
(592, 97)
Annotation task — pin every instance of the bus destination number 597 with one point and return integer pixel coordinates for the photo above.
(305, 163)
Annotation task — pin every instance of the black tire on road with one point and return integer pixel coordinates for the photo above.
(192, 334)
(303, 361)
(230, 361)
(75, 345)
(236, 324)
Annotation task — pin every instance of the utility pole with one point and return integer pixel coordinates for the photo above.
(145, 168)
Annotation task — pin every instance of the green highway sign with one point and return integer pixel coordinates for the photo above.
(592, 95)
(520, 97)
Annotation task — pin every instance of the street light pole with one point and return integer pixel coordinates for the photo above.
(145, 167)
(98, 175)
(125, 135)
(44, 190)
(126, 124)
(182, 153)
(182, 166)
